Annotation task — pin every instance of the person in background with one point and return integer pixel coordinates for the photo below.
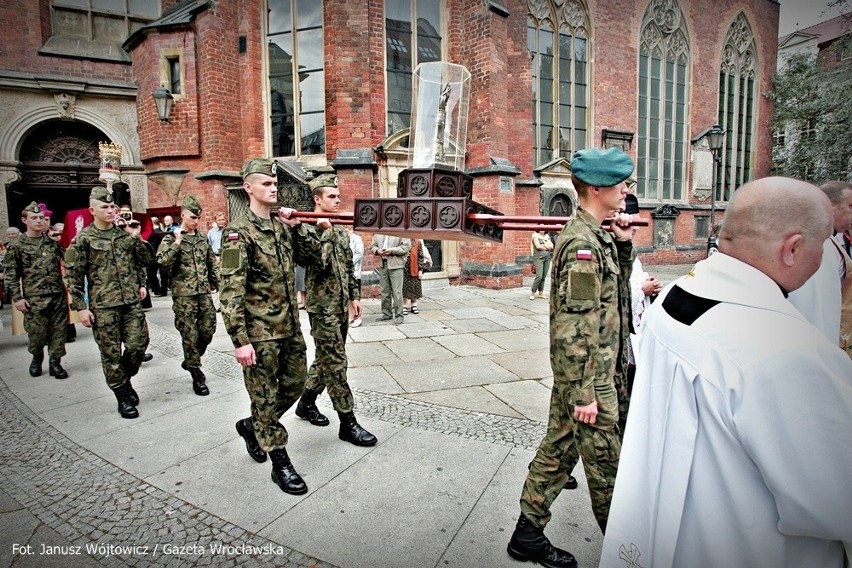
(12, 233)
(156, 225)
(392, 252)
(356, 244)
(34, 273)
(737, 449)
(169, 224)
(643, 289)
(542, 249)
(214, 235)
(417, 261)
(820, 298)
(301, 290)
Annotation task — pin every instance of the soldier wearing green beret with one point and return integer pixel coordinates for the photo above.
(589, 314)
(33, 271)
(114, 264)
(187, 257)
(261, 314)
(331, 287)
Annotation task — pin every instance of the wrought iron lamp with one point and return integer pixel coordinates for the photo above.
(715, 139)
(164, 101)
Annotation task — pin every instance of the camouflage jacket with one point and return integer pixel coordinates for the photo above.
(34, 262)
(330, 280)
(191, 264)
(114, 263)
(589, 312)
(258, 279)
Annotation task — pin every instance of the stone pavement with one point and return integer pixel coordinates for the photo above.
(457, 396)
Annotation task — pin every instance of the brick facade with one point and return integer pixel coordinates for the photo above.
(221, 118)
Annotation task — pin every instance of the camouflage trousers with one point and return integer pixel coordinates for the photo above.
(113, 326)
(274, 384)
(195, 319)
(557, 455)
(45, 324)
(329, 367)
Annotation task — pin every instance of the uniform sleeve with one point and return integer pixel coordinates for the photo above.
(575, 327)
(212, 269)
(167, 252)
(76, 263)
(143, 260)
(232, 290)
(14, 272)
(308, 242)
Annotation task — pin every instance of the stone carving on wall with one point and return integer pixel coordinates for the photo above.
(66, 105)
(738, 57)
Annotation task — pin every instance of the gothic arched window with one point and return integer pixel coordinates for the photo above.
(296, 77)
(737, 102)
(412, 37)
(664, 62)
(558, 41)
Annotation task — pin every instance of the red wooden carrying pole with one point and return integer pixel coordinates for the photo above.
(510, 221)
(505, 222)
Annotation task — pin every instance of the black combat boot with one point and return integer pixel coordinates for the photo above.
(352, 432)
(199, 381)
(307, 409)
(284, 474)
(54, 368)
(132, 396)
(125, 407)
(246, 430)
(528, 543)
(35, 366)
(570, 483)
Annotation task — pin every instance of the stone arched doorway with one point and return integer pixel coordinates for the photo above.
(59, 166)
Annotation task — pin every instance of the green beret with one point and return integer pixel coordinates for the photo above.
(100, 193)
(32, 208)
(601, 168)
(192, 205)
(323, 180)
(263, 166)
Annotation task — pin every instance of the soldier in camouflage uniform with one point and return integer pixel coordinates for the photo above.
(331, 287)
(192, 267)
(115, 265)
(590, 266)
(33, 273)
(260, 311)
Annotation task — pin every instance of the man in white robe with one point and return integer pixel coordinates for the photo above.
(737, 451)
(819, 299)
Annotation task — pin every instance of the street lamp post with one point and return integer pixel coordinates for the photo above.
(715, 138)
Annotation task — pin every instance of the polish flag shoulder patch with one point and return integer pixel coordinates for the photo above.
(233, 236)
(584, 254)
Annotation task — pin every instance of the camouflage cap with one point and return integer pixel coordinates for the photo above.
(192, 205)
(100, 193)
(265, 166)
(601, 168)
(32, 208)
(323, 180)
